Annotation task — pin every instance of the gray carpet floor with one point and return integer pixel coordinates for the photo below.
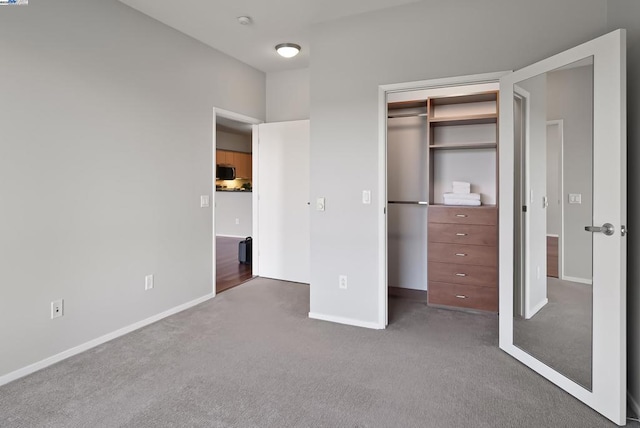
(560, 334)
(252, 358)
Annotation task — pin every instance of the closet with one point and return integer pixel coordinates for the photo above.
(438, 247)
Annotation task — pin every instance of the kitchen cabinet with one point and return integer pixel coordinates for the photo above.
(241, 161)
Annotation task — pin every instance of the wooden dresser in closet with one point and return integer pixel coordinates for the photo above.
(463, 257)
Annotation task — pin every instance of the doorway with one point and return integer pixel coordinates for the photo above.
(436, 133)
(234, 206)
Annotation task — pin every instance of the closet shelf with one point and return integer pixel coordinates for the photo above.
(464, 120)
(397, 115)
(458, 146)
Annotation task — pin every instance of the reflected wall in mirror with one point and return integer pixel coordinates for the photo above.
(553, 117)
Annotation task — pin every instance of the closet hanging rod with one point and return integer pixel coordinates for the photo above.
(394, 116)
(409, 202)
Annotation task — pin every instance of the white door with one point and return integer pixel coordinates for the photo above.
(578, 339)
(283, 201)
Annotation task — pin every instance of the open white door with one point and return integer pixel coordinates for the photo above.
(283, 204)
(578, 339)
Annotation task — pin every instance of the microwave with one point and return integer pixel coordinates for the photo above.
(225, 172)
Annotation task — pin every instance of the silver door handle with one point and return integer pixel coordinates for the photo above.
(606, 228)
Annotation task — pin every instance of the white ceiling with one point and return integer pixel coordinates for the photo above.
(214, 22)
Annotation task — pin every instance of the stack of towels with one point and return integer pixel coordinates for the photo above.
(462, 195)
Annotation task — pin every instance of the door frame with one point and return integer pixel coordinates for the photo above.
(608, 394)
(383, 92)
(255, 137)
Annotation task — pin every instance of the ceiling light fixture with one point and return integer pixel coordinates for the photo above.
(288, 50)
(245, 20)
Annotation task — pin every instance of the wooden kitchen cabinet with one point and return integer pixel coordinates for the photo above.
(241, 161)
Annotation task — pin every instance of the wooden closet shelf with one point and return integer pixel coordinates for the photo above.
(464, 120)
(397, 115)
(459, 146)
(407, 104)
(464, 99)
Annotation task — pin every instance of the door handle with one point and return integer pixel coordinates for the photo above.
(606, 228)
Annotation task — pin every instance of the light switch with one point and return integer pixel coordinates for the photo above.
(320, 204)
(366, 196)
(204, 201)
(575, 198)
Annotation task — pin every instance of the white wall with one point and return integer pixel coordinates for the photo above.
(570, 97)
(407, 180)
(423, 40)
(624, 14)
(233, 141)
(232, 206)
(288, 96)
(105, 148)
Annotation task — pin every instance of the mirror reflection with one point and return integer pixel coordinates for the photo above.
(553, 116)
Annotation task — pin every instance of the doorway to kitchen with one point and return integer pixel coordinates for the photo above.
(234, 201)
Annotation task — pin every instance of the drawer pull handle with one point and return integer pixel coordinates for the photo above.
(461, 274)
(460, 296)
(461, 215)
(461, 255)
(461, 234)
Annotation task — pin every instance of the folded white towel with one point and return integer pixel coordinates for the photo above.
(466, 202)
(469, 196)
(461, 187)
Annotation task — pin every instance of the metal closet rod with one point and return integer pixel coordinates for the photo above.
(409, 202)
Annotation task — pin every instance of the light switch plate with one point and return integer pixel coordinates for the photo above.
(575, 198)
(204, 201)
(320, 204)
(366, 196)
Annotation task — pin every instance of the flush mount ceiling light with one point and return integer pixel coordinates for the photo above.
(245, 20)
(288, 50)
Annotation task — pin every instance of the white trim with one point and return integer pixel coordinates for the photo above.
(578, 280)
(32, 368)
(236, 116)
(383, 294)
(552, 235)
(346, 321)
(383, 92)
(537, 308)
(232, 236)
(633, 404)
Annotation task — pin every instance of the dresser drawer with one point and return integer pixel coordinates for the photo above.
(463, 234)
(482, 276)
(487, 216)
(465, 254)
(463, 296)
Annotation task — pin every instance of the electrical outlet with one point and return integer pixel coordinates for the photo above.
(204, 201)
(237, 221)
(342, 282)
(57, 308)
(148, 282)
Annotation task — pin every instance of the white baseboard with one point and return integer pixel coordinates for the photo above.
(347, 321)
(32, 368)
(578, 280)
(633, 404)
(537, 308)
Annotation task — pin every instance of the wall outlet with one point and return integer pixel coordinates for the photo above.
(342, 282)
(57, 308)
(148, 282)
(237, 221)
(320, 204)
(366, 197)
(204, 201)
